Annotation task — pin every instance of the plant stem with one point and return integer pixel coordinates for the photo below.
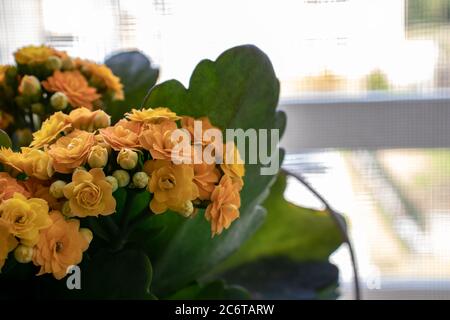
(339, 223)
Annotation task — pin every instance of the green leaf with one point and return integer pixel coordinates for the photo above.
(123, 275)
(138, 201)
(137, 75)
(5, 141)
(280, 277)
(291, 231)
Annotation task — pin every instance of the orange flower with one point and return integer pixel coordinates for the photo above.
(103, 77)
(224, 208)
(85, 119)
(124, 134)
(157, 139)
(152, 115)
(74, 86)
(90, 194)
(205, 177)
(40, 189)
(188, 124)
(60, 246)
(172, 186)
(50, 130)
(9, 186)
(7, 244)
(71, 151)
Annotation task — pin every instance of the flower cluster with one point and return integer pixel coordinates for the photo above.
(46, 80)
(77, 161)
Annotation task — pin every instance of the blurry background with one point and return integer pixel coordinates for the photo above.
(365, 85)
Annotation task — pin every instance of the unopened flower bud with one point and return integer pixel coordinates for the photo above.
(101, 120)
(53, 63)
(123, 178)
(127, 158)
(59, 101)
(66, 210)
(67, 63)
(23, 254)
(87, 234)
(37, 108)
(30, 86)
(98, 157)
(140, 179)
(113, 182)
(56, 189)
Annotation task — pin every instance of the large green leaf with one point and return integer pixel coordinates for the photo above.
(291, 231)
(238, 90)
(284, 278)
(137, 75)
(123, 275)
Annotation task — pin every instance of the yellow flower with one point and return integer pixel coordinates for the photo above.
(232, 164)
(36, 163)
(24, 217)
(71, 151)
(7, 244)
(224, 208)
(60, 246)
(124, 134)
(90, 194)
(10, 158)
(172, 186)
(74, 86)
(35, 54)
(152, 115)
(50, 130)
(103, 77)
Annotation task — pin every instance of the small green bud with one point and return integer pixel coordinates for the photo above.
(53, 63)
(113, 182)
(140, 179)
(59, 101)
(123, 177)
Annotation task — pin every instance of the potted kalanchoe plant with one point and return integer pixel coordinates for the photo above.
(111, 197)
